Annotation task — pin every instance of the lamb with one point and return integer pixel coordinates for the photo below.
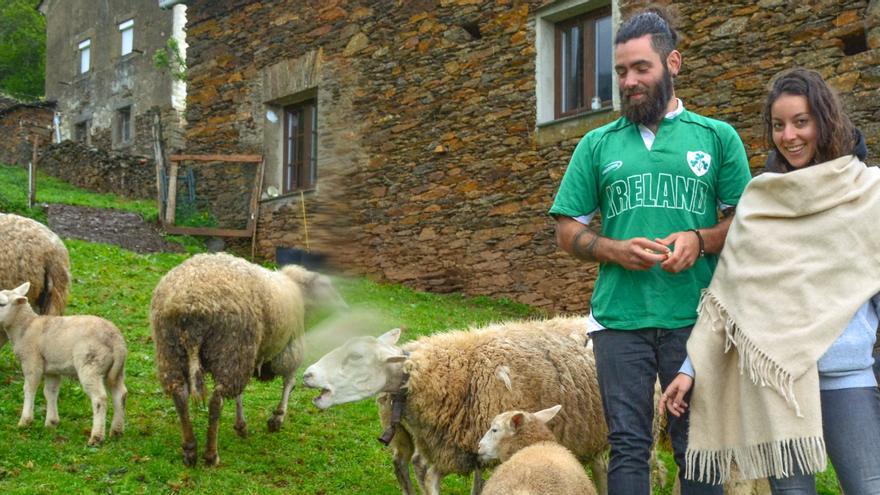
(87, 347)
(220, 314)
(454, 383)
(35, 254)
(533, 462)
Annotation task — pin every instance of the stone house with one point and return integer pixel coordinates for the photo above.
(422, 141)
(20, 123)
(100, 71)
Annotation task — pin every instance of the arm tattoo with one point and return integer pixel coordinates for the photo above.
(588, 252)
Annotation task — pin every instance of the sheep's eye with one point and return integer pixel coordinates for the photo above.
(354, 356)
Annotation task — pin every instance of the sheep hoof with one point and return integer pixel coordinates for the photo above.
(274, 423)
(51, 423)
(190, 453)
(115, 433)
(96, 440)
(212, 459)
(23, 422)
(241, 429)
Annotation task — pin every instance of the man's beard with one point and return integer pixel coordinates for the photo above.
(653, 105)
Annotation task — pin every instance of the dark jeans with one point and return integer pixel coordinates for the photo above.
(851, 426)
(628, 364)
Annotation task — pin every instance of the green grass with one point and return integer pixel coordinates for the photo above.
(316, 452)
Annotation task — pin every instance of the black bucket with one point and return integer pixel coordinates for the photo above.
(294, 256)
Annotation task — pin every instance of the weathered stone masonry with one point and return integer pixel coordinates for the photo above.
(431, 169)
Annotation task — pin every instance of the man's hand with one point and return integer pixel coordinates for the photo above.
(640, 253)
(685, 251)
(673, 397)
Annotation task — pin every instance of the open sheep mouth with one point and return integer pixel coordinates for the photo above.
(324, 395)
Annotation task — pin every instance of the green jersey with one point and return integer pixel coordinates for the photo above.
(695, 164)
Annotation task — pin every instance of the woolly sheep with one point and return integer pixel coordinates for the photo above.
(220, 314)
(35, 254)
(86, 347)
(456, 382)
(533, 462)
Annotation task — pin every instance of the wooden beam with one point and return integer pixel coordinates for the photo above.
(210, 231)
(171, 209)
(217, 158)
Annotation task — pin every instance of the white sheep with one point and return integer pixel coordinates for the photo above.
(455, 383)
(220, 314)
(86, 347)
(34, 254)
(533, 462)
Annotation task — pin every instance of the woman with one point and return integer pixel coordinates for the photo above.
(783, 342)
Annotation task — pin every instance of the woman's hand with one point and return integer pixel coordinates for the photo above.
(673, 397)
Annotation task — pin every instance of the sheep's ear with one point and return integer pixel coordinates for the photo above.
(22, 289)
(547, 414)
(517, 420)
(390, 337)
(395, 359)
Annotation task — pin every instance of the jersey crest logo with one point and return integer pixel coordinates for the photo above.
(699, 162)
(611, 167)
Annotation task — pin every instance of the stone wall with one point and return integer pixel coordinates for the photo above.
(19, 125)
(431, 169)
(99, 170)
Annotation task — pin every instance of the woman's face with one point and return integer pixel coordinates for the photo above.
(794, 129)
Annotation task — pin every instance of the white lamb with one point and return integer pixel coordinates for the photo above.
(86, 347)
(454, 384)
(533, 462)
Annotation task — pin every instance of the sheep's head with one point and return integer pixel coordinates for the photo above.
(10, 299)
(499, 443)
(360, 368)
(318, 289)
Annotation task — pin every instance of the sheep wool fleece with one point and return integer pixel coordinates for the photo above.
(694, 163)
(802, 255)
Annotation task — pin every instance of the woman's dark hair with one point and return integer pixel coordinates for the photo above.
(835, 133)
(655, 21)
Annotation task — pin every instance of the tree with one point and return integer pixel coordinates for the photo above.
(22, 49)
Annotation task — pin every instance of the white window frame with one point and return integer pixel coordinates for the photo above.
(545, 21)
(126, 29)
(85, 51)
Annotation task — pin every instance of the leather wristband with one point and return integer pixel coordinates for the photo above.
(700, 238)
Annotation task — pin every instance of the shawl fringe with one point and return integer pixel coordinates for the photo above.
(761, 368)
(780, 459)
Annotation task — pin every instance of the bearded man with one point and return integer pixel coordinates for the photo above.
(659, 175)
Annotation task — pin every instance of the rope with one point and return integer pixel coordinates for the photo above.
(302, 202)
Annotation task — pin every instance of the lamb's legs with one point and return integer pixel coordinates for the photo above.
(402, 452)
(181, 404)
(51, 385)
(118, 393)
(240, 423)
(277, 418)
(432, 481)
(215, 407)
(421, 469)
(477, 487)
(31, 382)
(93, 386)
(599, 466)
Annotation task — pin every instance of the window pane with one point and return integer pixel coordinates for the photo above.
(572, 69)
(127, 40)
(603, 58)
(84, 60)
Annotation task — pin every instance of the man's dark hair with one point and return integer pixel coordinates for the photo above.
(654, 21)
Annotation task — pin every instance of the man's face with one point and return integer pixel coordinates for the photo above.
(645, 81)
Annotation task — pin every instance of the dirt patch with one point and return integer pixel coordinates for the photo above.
(124, 229)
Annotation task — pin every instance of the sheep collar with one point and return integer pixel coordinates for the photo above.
(398, 404)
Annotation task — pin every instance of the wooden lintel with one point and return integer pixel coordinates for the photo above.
(217, 158)
(209, 231)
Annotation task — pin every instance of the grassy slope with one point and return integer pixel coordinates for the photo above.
(329, 452)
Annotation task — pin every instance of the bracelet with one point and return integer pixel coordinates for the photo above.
(700, 238)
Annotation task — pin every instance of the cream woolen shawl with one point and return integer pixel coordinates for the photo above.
(802, 255)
